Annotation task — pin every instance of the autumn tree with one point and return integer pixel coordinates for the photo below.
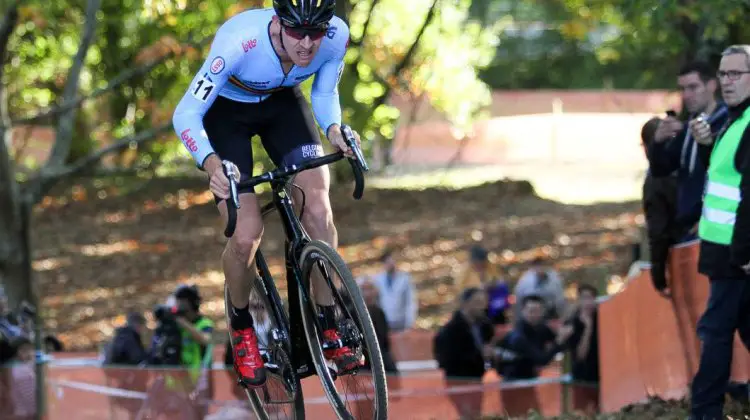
(579, 44)
(108, 74)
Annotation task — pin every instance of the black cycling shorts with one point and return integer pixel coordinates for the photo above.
(283, 122)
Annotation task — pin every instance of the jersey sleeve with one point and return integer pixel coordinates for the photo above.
(325, 93)
(222, 61)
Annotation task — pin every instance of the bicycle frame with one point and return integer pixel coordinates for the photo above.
(296, 239)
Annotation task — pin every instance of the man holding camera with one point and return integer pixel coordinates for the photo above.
(182, 338)
(182, 334)
(196, 329)
(674, 147)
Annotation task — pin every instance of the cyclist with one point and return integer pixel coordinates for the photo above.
(248, 85)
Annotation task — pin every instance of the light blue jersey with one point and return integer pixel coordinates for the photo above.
(243, 66)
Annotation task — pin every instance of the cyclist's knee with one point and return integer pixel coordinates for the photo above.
(246, 239)
(318, 209)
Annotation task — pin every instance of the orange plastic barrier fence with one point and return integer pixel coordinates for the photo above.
(96, 393)
(648, 347)
(648, 344)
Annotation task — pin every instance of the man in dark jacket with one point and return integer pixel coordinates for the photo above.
(127, 347)
(724, 231)
(460, 344)
(462, 348)
(531, 343)
(674, 147)
(659, 206)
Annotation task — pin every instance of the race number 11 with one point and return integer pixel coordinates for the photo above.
(202, 89)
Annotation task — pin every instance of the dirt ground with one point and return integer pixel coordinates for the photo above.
(655, 409)
(105, 246)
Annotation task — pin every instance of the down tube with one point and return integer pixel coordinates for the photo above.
(295, 236)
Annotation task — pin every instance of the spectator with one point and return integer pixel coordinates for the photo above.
(584, 350)
(674, 147)
(481, 273)
(184, 337)
(659, 206)
(195, 329)
(371, 294)
(9, 333)
(126, 347)
(462, 348)
(9, 329)
(23, 391)
(397, 296)
(531, 343)
(724, 231)
(583, 342)
(52, 344)
(542, 281)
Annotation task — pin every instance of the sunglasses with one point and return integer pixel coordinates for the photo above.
(301, 32)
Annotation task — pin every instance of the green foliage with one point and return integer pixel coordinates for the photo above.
(133, 32)
(622, 44)
(443, 66)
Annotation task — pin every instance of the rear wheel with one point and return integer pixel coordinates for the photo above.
(281, 396)
(362, 393)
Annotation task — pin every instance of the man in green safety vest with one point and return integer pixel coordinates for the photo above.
(724, 230)
(191, 351)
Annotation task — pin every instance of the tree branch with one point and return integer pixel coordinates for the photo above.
(47, 176)
(116, 81)
(408, 57)
(64, 132)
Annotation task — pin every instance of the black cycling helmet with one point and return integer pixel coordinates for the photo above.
(304, 13)
(189, 293)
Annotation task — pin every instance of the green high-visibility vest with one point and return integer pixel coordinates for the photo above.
(722, 194)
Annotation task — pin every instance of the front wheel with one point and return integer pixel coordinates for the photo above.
(368, 399)
(281, 396)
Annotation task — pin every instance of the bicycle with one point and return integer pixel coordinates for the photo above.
(291, 343)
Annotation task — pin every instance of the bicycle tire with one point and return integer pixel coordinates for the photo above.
(365, 323)
(253, 394)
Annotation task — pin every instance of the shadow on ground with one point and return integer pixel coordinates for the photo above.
(105, 246)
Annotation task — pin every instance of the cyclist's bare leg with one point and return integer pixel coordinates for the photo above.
(237, 258)
(318, 220)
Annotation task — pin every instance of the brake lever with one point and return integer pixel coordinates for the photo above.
(351, 141)
(232, 172)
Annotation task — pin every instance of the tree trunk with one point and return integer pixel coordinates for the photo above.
(12, 263)
(11, 233)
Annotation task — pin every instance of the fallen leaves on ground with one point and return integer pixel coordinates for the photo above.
(654, 409)
(105, 247)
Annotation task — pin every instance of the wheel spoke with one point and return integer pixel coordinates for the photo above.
(360, 393)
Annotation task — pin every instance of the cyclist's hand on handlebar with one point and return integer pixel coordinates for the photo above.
(218, 182)
(337, 140)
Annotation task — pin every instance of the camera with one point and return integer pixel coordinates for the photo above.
(166, 313)
(166, 347)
